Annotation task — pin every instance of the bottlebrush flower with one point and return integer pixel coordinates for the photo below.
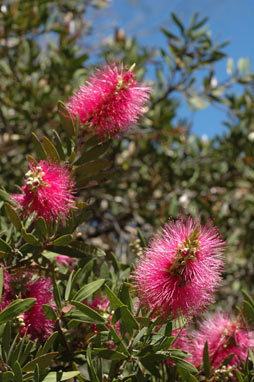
(180, 269)
(47, 192)
(110, 101)
(225, 336)
(33, 321)
(66, 261)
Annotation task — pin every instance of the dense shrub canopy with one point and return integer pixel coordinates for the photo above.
(126, 183)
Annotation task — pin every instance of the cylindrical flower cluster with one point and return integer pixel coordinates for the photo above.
(110, 101)
(180, 269)
(33, 322)
(47, 192)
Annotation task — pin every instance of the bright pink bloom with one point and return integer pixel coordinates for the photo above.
(33, 321)
(110, 101)
(180, 269)
(66, 261)
(47, 192)
(36, 324)
(225, 336)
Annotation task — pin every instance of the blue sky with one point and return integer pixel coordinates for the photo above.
(228, 19)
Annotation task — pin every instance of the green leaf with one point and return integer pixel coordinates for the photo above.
(63, 240)
(41, 153)
(41, 228)
(88, 289)
(115, 302)
(110, 354)
(17, 372)
(57, 295)
(30, 238)
(177, 21)
(117, 340)
(248, 297)
(147, 363)
(49, 312)
(49, 343)
(126, 318)
(13, 216)
(43, 362)
(91, 369)
(88, 311)
(50, 149)
(185, 375)
(7, 376)
(81, 205)
(138, 337)
(88, 249)
(94, 153)
(68, 287)
(59, 145)
(26, 352)
(91, 168)
(126, 297)
(206, 360)
(248, 310)
(4, 196)
(66, 119)
(184, 364)
(60, 376)
(15, 309)
(169, 34)
(4, 247)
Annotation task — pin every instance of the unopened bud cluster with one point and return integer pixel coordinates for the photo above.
(136, 247)
(34, 178)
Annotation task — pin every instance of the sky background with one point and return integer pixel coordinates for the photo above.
(228, 19)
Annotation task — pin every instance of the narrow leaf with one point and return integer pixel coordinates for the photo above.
(115, 302)
(88, 290)
(206, 360)
(41, 227)
(38, 147)
(59, 145)
(49, 312)
(110, 354)
(29, 238)
(43, 362)
(63, 240)
(88, 311)
(15, 309)
(94, 153)
(66, 119)
(4, 247)
(13, 216)
(4, 196)
(50, 149)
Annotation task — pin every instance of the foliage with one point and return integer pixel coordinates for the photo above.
(124, 189)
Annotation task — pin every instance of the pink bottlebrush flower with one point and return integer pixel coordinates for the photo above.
(33, 321)
(47, 192)
(225, 336)
(180, 269)
(110, 102)
(66, 261)
(36, 324)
